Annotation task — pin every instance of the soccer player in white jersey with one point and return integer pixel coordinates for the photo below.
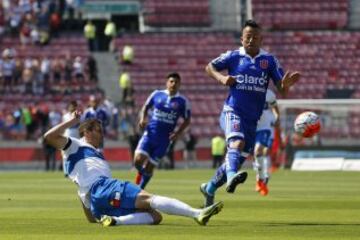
(249, 70)
(269, 119)
(166, 107)
(105, 199)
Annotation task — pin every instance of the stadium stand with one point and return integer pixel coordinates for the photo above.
(163, 13)
(299, 14)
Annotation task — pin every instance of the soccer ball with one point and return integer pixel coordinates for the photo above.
(307, 124)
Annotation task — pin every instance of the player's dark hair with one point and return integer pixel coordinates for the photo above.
(88, 125)
(252, 23)
(174, 75)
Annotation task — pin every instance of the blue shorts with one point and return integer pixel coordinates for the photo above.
(154, 149)
(113, 197)
(264, 137)
(236, 127)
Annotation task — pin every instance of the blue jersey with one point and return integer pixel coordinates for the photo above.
(247, 96)
(165, 113)
(98, 113)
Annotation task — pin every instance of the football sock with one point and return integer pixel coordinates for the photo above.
(173, 206)
(232, 163)
(140, 169)
(145, 178)
(263, 167)
(211, 188)
(140, 218)
(258, 164)
(218, 179)
(266, 166)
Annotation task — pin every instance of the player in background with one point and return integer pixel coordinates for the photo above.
(166, 106)
(269, 120)
(97, 111)
(105, 199)
(249, 70)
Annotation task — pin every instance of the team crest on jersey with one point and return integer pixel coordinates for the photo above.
(174, 105)
(115, 202)
(236, 126)
(264, 64)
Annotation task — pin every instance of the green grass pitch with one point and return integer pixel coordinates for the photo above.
(301, 205)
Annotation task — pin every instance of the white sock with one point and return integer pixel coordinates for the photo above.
(140, 218)
(258, 167)
(173, 207)
(265, 167)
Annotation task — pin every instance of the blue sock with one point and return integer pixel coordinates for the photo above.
(211, 188)
(140, 169)
(232, 161)
(217, 180)
(145, 178)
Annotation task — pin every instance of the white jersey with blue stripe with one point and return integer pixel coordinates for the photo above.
(165, 113)
(84, 164)
(247, 96)
(267, 118)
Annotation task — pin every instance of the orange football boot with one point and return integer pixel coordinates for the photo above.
(264, 189)
(258, 185)
(138, 178)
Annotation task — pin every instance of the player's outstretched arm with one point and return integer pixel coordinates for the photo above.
(225, 80)
(54, 136)
(289, 79)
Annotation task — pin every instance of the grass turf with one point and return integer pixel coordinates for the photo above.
(300, 205)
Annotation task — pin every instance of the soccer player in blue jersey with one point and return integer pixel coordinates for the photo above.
(96, 111)
(249, 70)
(167, 107)
(105, 199)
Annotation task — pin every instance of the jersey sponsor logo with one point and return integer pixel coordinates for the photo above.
(168, 117)
(264, 63)
(250, 83)
(248, 79)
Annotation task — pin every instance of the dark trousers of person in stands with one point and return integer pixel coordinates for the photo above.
(217, 160)
(50, 158)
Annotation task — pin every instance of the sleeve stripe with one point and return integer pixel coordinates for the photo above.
(67, 145)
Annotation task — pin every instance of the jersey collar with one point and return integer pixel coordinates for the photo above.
(168, 93)
(243, 52)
